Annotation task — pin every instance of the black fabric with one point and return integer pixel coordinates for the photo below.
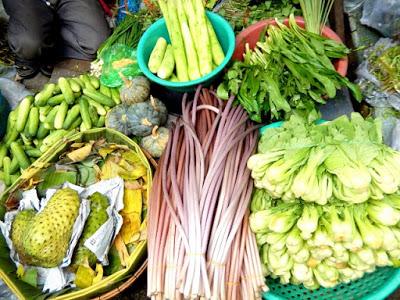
(75, 27)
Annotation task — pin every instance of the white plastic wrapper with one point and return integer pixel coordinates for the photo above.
(54, 279)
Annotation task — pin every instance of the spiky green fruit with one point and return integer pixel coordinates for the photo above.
(19, 227)
(48, 237)
(97, 217)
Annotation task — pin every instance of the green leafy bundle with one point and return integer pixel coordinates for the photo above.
(291, 69)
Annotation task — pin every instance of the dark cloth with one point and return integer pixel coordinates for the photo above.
(38, 32)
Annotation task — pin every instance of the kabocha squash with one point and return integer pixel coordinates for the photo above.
(135, 91)
(143, 118)
(118, 119)
(160, 108)
(156, 142)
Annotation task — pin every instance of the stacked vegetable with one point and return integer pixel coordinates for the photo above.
(327, 204)
(290, 69)
(199, 241)
(194, 50)
(82, 164)
(40, 121)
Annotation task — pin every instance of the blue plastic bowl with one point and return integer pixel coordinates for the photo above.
(225, 35)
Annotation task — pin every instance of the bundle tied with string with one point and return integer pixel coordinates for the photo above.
(200, 244)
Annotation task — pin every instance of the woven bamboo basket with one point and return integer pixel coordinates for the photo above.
(111, 285)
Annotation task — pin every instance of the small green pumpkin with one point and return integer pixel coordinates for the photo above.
(143, 118)
(135, 91)
(156, 142)
(159, 107)
(118, 118)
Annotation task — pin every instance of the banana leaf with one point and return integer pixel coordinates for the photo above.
(8, 269)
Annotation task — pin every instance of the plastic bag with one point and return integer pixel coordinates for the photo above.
(370, 85)
(118, 60)
(383, 15)
(351, 5)
(13, 91)
(5, 292)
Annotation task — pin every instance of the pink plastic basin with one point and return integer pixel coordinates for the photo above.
(252, 34)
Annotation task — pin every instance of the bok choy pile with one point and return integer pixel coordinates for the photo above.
(326, 207)
(343, 159)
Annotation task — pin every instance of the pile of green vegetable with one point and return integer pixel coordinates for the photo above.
(242, 14)
(291, 69)
(53, 113)
(326, 208)
(194, 51)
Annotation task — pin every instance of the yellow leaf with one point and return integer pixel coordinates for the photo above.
(84, 276)
(20, 271)
(132, 201)
(122, 251)
(99, 275)
(81, 153)
(130, 227)
(105, 151)
(109, 170)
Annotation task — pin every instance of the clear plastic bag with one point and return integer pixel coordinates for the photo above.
(351, 5)
(383, 15)
(5, 292)
(370, 85)
(118, 61)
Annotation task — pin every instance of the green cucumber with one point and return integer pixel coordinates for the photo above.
(18, 152)
(79, 81)
(60, 116)
(55, 100)
(23, 113)
(115, 96)
(101, 121)
(33, 121)
(75, 87)
(14, 167)
(54, 137)
(105, 90)
(86, 80)
(73, 113)
(84, 110)
(3, 153)
(93, 115)
(42, 131)
(94, 81)
(43, 111)
(6, 167)
(167, 65)
(99, 97)
(33, 153)
(99, 108)
(42, 97)
(75, 123)
(57, 90)
(14, 177)
(52, 114)
(66, 90)
(25, 139)
(157, 55)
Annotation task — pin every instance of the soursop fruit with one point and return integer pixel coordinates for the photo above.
(47, 238)
(19, 227)
(97, 217)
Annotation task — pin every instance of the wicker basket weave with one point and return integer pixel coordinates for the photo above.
(110, 286)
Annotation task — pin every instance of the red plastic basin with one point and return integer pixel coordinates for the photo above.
(251, 35)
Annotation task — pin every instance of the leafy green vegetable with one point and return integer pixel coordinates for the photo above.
(290, 70)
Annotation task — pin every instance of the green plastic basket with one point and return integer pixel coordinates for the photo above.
(372, 286)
